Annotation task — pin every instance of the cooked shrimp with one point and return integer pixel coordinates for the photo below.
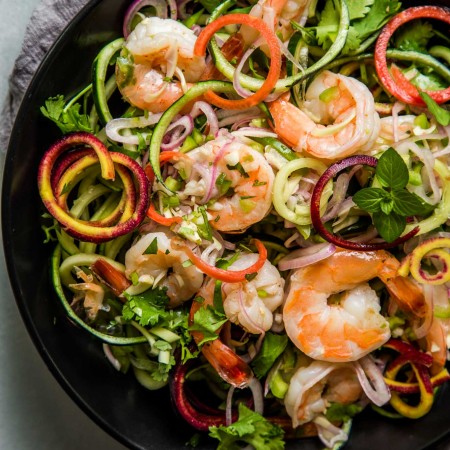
(230, 367)
(313, 387)
(156, 51)
(250, 304)
(90, 292)
(248, 177)
(279, 14)
(345, 120)
(163, 267)
(350, 327)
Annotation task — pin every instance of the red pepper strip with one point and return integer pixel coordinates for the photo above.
(426, 395)
(413, 388)
(151, 212)
(275, 58)
(398, 85)
(229, 276)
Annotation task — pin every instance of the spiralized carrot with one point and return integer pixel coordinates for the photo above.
(275, 58)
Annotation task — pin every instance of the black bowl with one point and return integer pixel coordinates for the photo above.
(135, 416)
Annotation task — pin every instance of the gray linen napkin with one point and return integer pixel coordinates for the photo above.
(47, 22)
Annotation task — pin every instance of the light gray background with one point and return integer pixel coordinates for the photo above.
(35, 413)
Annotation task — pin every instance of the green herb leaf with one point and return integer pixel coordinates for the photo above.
(67, 120)
(415, 36)
(239, 168)
(441, 115)
(152, 249)
(390, 226)
(370, 199)
(147, 308)
(387, 205)
(408, 204)
(208, 320)
(273, 346)
(391, 170)
(223, 184)
(337, 412)
(251, 428)
(204, 229)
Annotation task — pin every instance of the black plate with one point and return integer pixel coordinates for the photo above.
(136, 417)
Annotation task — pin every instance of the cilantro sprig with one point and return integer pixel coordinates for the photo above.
(251, 428)
(67, 118)
(392, 203)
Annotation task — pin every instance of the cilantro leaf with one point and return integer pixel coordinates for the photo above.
(68, 120)
(414, 37)
(389, 226)
(152, 249)
(208, 321)
(441, 115)
(326, 31)
(380, 13)
(370, 199)
(273, 346)
(391, 170)
(357, 9)
(147, 308)
(337, 412)
(251, 428)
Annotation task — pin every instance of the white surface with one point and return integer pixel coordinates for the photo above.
(35, 413)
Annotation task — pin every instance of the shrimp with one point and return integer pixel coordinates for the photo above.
(233, 180)
(345, 121)
(156, 51)
(164, 266)
(279, 14)
(313, 387)
(351, 327)
(251, 303)
(90, 292)
(230, 367)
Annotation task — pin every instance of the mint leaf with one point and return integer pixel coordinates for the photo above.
(147, 308)
(414, 37)
(387, 205)
(370, 199)
(391, 170)
(441, 115)
(408, 204)
(389, 226)
(273, 346)
(251, 428)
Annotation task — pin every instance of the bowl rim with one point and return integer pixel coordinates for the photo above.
(64, 35)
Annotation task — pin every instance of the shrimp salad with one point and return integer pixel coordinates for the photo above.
(250, 204)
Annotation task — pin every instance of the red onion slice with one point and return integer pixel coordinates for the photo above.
(211, 117)
(372, 381)
(159, 5)
(306, 256)
(177, 139)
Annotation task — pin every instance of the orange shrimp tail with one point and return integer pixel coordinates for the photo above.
(231, 367)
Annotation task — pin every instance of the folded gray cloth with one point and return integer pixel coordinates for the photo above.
(47, 22)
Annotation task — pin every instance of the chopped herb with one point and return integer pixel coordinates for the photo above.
(239, 168)
(152, 249)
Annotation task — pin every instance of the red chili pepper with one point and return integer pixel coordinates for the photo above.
(395, 82)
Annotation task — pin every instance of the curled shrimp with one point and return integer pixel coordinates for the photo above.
(163, 266)
(250, 304)
(349, 327)
(313, 387)
(279, 14)
(345, 120)
(230, 367)
(156, 51)
(233, 180)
